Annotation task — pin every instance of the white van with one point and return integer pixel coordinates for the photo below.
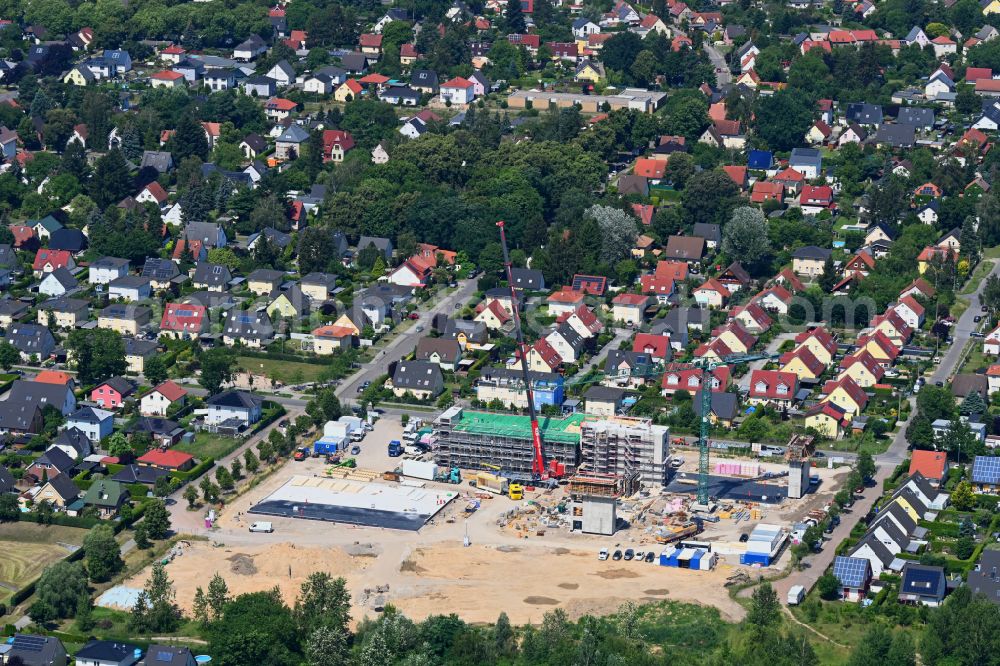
(262, 527)
(796, 595)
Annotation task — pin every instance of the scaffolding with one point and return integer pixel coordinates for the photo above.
(592, 484)
(467, 439)
(631, 448)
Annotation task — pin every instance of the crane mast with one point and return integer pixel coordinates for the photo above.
(538, 457)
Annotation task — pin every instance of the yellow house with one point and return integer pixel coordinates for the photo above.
(903, 504)
(344, 321)
(589, 70)
(494, 315)
(78, 76)
(820, 342)
(122, 319)
(992, 8)
(330, 339)
(827, 419)
(863, 368)
(803, 363)
(348, 90)
(736, 338)
(284, 307)
(263, 281)
(847, 395)
(58, 498)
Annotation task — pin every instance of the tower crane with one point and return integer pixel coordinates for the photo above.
(538, 468)
(708, 367)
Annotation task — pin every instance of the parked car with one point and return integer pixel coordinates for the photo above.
(617, 556)
(977, 319)
(650, 556)
(744, 538)
(355, 450)
(639, 555)
(414, 315)
(603, 554)
(629, 554)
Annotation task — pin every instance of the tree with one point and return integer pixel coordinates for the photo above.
(9, 356)
(236, 469)
(199, 607)
(240, 637)
(191, 495)
(963, 497)
(618, 232)
(644, 67)
(323, 601)
(866, 465)
(58, 591)
(619, 52)
(327, 647)
(84, 613)
(141, 536)
(189, 139)
(9, 509)
(157, 519)
(218, 596)
(709, 196)
(973, 404)
(783, 119)
(217, 368)
(99, 354)
(155, 370)
(103, 553)
(155, 609)
(967, 101)
(964, 547)
(514, 18)
(680, 167)
(316, 251)
(111, 182)
(765, 610)
(119, 446)
(828, 586)
(224, 478)
(745, 238)
(251, 462)
(828, 279)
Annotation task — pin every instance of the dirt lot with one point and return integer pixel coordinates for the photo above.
(474, 582)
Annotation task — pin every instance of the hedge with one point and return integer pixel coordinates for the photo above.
(268, 417)
(60, 519)
(196, 471)
(940, 529)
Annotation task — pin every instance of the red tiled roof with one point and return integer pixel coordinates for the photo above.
(547, 353)
(808, 359)
(929, 463)
(713, 284)
(370, 41)
(566, 295)
(764, 190)
(458, 82)
(851, 387)
(789, 175)
(738, 174)
(833, 410)
(170, 391)
(766, 384)
(281, 104)
(883, 341)
(650, 168)
(53, 258)
(52, 377)
(331, 331)
(166, 75)
(865, 358)
(657, 346)
(182, 317)
(973, 74)
(169, 459)
(630, 299)
(157, 191)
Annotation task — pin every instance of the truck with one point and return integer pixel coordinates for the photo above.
(516, 492)
(497, 485)
(324, 446)
(419, 469)
(677, 533)
(262, 527)
(395, 448)
(452, 476)
(796, 595)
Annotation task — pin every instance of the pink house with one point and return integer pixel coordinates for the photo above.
(112, 393)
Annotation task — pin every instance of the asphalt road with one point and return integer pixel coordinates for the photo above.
(816, 564)
(722, 75)
(405, 342)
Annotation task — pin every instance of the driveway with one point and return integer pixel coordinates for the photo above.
(722, 75)
(405, 342)
(597, 360)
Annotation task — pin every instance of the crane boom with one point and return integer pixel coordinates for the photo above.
(538, 458)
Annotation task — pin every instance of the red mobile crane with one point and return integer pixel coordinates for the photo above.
(555, 468)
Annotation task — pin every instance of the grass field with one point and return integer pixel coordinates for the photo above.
(27, 548)
(286, 372)
(209, 445)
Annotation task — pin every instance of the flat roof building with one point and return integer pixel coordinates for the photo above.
(630, 98)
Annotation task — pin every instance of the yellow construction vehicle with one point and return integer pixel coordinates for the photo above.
(515, 491)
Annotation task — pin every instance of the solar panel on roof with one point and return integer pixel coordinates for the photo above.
(184, 313)
(850, 571)
(164, 656)
(29, 643)
(986, 469)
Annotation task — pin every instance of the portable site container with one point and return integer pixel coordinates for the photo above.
(668, 558)
(684, 559)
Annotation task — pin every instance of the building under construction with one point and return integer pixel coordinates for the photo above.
(594, 500)
(627, 447)
(471, 440)
(800, 449)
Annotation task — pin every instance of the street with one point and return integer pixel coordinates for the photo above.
(347, 390)
(722, 75)
(816, 564)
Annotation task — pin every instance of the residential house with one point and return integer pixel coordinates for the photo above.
(808, 261)
(183, 321)
(846, 393)
(773, 387)
(922, 584)
(170, 460)
(112, 393)
(806, 161)
(161, 398)
(422, 379)
(629, 308)
(826, 418)
(32, 341)
(443, 352)
(57, 283)
(130, 288)
(243, 407)
(106, 270)
(137, 352)
(63, 312)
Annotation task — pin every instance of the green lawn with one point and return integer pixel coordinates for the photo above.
(976, 359)
(978, 274)
(286, 372)
(209, 445)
